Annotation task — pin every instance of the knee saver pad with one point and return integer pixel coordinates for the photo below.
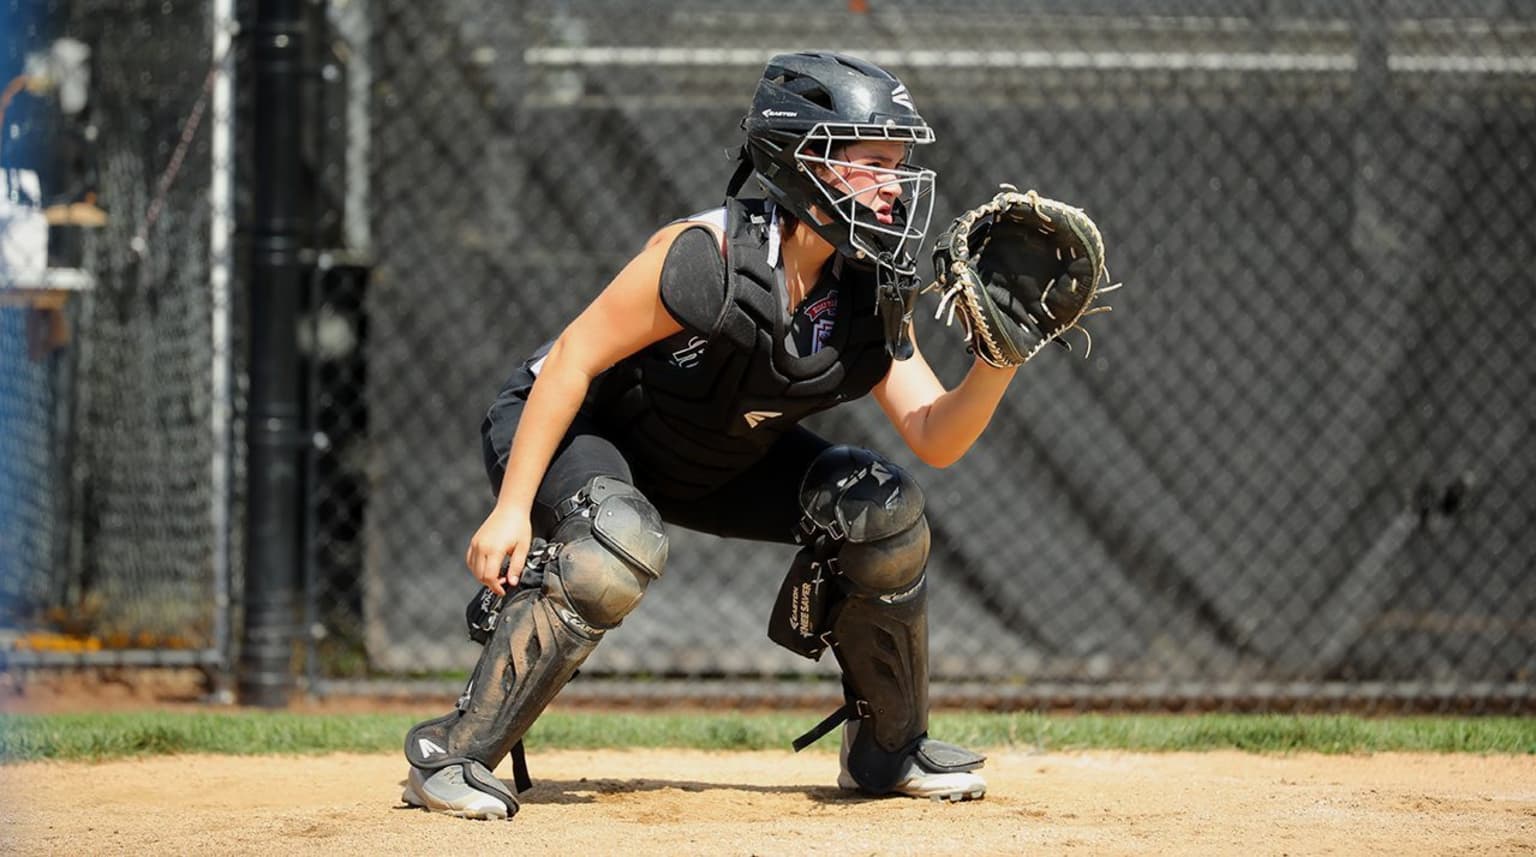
(608, 554)
(875, 507)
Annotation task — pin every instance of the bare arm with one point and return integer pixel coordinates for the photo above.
(940, 425)
(627, 316)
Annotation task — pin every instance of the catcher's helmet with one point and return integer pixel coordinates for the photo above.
(806, 108)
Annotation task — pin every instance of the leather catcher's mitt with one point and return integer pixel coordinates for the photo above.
(1020, 270)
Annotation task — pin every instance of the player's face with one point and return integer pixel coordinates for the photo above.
(862, 171)
(867, 184)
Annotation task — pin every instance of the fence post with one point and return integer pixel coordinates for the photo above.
(274, 426)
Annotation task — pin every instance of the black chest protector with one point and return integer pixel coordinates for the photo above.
(699, 407)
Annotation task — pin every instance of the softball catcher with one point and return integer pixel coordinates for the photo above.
(675, 397)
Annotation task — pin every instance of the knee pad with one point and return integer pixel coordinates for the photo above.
(610, 546)
(871, 512)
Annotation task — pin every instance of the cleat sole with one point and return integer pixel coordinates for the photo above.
(957, 797)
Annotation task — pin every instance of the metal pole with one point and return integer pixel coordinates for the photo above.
(221, 203)
(351, 19)
(274, 430)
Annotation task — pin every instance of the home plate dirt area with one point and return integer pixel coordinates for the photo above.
(671, 802)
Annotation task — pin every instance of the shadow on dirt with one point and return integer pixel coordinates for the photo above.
(589, 790)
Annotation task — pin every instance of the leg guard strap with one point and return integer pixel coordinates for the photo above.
(855, 710)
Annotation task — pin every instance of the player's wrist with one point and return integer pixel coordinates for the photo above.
(981, 365)
(513, 505)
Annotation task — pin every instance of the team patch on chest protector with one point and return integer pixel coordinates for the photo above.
(820, 316)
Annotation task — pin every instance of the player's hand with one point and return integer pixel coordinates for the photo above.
(505, 533)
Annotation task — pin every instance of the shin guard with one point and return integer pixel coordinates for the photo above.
(605, 549)
(882, 646)
(865, 516)
(527, 661)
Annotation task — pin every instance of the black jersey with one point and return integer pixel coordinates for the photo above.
(699, 407)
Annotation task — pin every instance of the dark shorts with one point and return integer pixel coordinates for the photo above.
(761, 503)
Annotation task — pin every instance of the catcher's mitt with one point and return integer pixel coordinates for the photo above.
(1020, 270)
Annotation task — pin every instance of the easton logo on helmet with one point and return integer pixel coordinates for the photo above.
(901, 96)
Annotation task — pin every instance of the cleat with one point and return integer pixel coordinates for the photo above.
(446, 791)
(940, 788)
(916, 780)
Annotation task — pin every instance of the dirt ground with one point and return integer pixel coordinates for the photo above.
(669, 802)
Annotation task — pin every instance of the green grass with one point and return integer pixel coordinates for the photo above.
(118, 735)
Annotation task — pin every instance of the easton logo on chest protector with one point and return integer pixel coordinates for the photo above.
(754, 418)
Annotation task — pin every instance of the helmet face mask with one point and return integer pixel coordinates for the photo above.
(908, 188)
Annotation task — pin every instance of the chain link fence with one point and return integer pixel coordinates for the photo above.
(115, 396)
(1293, 471)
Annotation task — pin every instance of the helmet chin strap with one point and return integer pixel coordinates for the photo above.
(894, 294)
(743, 172)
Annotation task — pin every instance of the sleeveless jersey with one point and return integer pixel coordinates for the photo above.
(701, 406)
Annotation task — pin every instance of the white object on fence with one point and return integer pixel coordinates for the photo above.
(23, 230)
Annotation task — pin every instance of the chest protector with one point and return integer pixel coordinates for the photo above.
(699, 407)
